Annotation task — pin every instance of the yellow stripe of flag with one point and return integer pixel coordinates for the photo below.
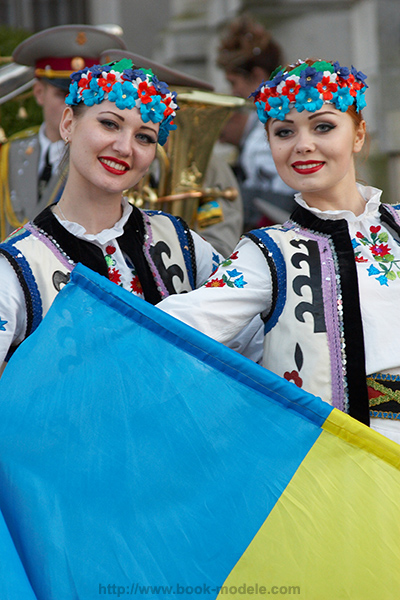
(334, 533)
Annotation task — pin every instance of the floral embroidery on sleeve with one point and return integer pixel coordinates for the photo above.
(2, 324)
(215, 262)
(232, 278)
(385, 267)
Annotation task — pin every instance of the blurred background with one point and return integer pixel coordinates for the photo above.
(184, 34)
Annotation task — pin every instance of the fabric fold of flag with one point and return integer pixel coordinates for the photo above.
(139, 457)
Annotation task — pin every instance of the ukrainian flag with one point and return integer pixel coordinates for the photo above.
(140, 458)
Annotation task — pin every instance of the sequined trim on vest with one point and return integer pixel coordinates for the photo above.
(277, 267)
(186, 244)
(33, 301)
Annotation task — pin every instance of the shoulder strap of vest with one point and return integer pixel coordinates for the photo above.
(277, 267)
(186, 243)
(33, 302)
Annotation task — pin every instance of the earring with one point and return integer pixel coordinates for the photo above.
(66, 141)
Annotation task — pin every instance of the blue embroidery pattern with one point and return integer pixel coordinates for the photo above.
(233, 278)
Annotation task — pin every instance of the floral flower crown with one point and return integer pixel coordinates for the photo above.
(128, 87)
(306, 87)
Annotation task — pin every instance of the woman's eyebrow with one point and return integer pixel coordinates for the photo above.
(281, 121)
(319, 114)
(112, 113)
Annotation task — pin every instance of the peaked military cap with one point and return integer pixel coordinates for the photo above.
(57, 52)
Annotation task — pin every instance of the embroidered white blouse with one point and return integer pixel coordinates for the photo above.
(12, 302)
(241, 288)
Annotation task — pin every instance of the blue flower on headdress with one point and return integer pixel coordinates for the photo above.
(342, 99)
(73, 96)
(280, 76)
(153, 111)
(262, 115)
(137, 74)
(123, 94)
(97, 70)
(128, 74)
(93, 94)
(78, 74)
(308, 98)
(254, 94)
(360, 100)
(309, 77)
(279, 107)
(343, 72)
(359, 75)
(165, 127)
(160, 86)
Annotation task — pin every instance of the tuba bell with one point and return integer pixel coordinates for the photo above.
(175, 184)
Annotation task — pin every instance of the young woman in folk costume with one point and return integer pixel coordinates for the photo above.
(326, 282)
(115, 116)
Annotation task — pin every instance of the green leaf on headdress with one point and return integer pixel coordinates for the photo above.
(121, 65)
(322, 65)
(298, 69)
(319, 65)
(275, 72)
(147, 72)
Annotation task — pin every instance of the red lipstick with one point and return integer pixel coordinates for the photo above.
(307, 167)
(114, 165)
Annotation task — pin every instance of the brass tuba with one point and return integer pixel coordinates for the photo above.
(177, 187)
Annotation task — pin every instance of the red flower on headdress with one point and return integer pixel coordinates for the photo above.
(106, 83)
(85, 81)
(352, 84)
(266, 93)
(146, 91)
(290, 89)
(327, 88)
(168, 111)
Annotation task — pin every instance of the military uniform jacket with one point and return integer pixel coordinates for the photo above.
(19, 161)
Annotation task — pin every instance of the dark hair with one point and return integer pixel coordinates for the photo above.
(246, 44)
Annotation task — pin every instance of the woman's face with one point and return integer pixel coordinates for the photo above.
(314, 152)
(109, 148)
